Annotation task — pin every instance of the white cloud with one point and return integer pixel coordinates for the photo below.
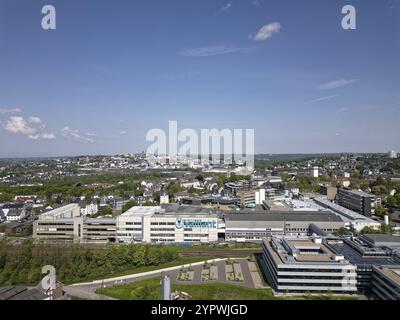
(75, 135)
(226, 7)
(35, 120)
(256, 3)
(32, 129)
(48, 136)
(208, 51)
(321, 99)
(267, 31)
(337, 84)
(123, 132)
(10, 110)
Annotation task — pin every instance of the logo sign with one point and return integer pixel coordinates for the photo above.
(195, 223)
(178, 223)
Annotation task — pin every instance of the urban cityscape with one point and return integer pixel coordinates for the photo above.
(276, 179)
(300, 226)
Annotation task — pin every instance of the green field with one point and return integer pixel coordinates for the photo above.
(179, 262)
(150, 289)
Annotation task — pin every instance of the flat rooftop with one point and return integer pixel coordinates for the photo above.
(357, 259)
(276, 205)
(63, 212)
(347, 214)
(381, 238)
(301, 251)
(311, 216)
(169, 210)
(391, 272)
(142, 211)
(187, 209)
(359, 193)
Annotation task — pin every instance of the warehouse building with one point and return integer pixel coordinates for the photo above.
(254, 226)
(306, 264)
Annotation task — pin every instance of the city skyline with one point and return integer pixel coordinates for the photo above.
(108, 74)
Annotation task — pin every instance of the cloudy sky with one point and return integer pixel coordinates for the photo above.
(112, 70)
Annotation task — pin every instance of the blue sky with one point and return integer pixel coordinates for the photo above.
(112, 70)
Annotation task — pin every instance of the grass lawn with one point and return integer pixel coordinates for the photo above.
(175, 263)
(150, 289)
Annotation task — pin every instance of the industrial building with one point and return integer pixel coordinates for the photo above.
(173, 224)
(306, 264)
(254, 226)
(358, 201)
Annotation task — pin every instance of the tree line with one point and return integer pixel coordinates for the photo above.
(23, 264)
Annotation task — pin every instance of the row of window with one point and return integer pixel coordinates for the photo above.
(162, 229)
(162, 223)
(162, 235)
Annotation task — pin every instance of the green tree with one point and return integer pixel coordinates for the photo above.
(391, 201)
(129, 205)
(104, 211)
(380, 210)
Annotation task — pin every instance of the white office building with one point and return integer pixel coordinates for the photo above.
(260, 196)
(306, 264)
(157, 225)
(392, 154)
(314, 172)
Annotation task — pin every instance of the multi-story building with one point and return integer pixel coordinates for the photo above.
(386, 282)
(164, 198)
(352, 219)
(329, 191)
(392, 154)
(315, 172)
(66, 224)
(306, 264)
(130, 224)
(358, 201)
(88, 209)
(246, 198)
(13, 211)
(174, 224)
(100, 230)
(259, 196)
(365, 256)
(233, 188)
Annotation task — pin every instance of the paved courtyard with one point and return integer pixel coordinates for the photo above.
(240, 271)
